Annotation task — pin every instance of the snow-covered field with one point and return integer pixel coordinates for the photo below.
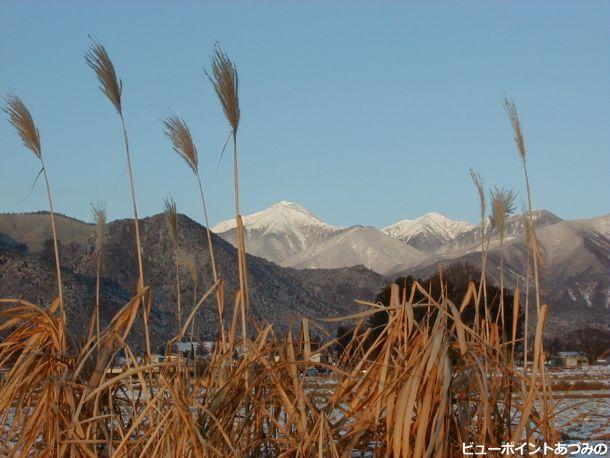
(582, 395)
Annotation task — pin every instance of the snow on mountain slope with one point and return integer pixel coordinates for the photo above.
(279, 216)
(278, 232)
(601, 224)
(428, 232)
(357, 245)
(572, 247)
(573, 273)
(470, 240)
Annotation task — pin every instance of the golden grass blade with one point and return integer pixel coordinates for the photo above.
(459, 327)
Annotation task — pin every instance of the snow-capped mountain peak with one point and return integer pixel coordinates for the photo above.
(428, 231)
(280, 215)
(279, 231)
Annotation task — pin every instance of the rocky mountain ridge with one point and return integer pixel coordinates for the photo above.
(278, 295)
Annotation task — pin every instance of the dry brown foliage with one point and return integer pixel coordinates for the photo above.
(421, 389)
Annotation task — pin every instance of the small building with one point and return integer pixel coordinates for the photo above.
(315, 358)
(569, 359)
(198, 348)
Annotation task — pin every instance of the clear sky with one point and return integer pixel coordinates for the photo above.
(363, 112)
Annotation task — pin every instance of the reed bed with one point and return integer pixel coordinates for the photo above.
(421, 387)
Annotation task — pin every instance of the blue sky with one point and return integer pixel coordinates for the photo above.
(363, 112)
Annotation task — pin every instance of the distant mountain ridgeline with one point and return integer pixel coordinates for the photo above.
(279, 295)
(575, 253)
(298, 264)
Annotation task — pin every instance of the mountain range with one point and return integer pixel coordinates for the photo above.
(298, 264)
(279, 232)
(574, 275)
(278, 294)
(428, 232)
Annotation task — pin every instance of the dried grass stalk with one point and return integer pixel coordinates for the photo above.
(480, 187)
(225, 81)
(171, 217)
(187, 261)
(179, 134)
(21, 119)
(418, 389)
(534, 247)
(99, 219)
(502, 205)
(98, 59)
